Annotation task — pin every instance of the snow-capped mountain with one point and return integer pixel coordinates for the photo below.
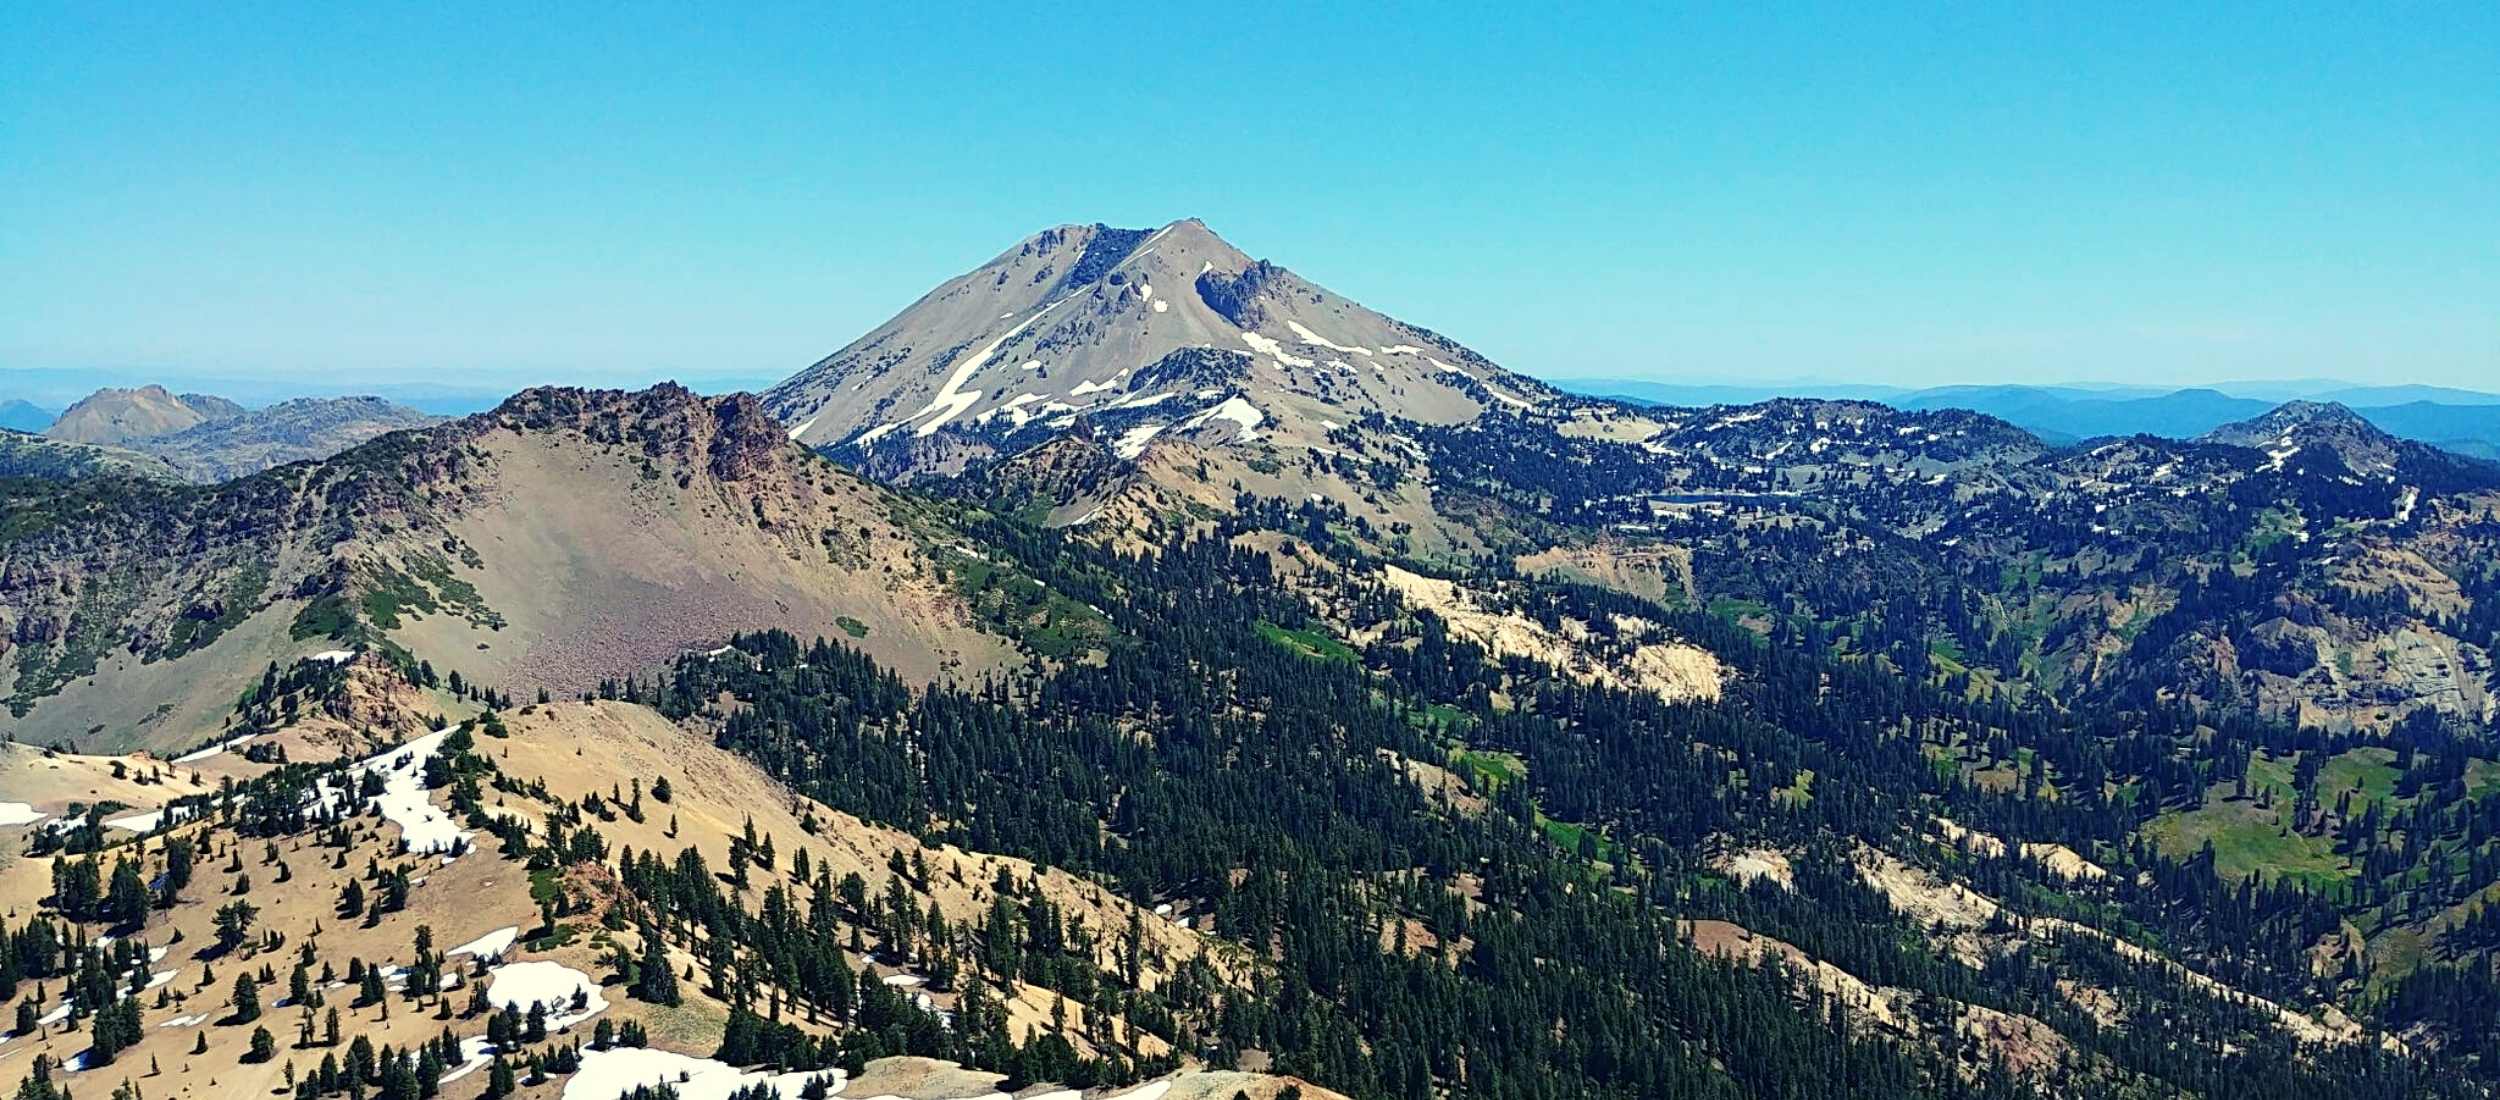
(1143, 335)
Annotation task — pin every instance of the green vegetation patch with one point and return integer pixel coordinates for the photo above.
(1445, 717)
(1020, 607)
(1488, 770)
(1309, 643)
(235, 603)
(328, 616)
(2248, 841)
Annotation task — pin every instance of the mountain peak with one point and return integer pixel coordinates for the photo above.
(2294, 427)
(1126, 329)
(114, 417)
(733, 435)
(2293, 416)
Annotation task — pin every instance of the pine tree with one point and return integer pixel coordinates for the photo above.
(654, 981)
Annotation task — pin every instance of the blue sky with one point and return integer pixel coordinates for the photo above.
(613, 193)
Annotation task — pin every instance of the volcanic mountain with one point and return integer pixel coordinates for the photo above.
(1144, 335)
(122, 416)
(207, 439)
(564, 538)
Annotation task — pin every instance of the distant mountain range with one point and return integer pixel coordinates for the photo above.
(149, 431)
(25, 416)
(2464, 421)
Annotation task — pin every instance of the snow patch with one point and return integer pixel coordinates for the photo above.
(404, 798)
(147, 822)
(1133, 442)
(18, 813)
(203, 754)
(951, 401)
(1310, 337)
(1270, 348)
(1104, 386)
(553, 984)
(608, 1074)
(489, 945)
(1236, 409)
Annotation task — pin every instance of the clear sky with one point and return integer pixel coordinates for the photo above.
(616, 193)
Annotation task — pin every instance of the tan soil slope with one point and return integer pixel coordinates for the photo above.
(117, 416)
(602, 747)
(1674, 670)
(568, 536)
(576, 749)
(596, 569)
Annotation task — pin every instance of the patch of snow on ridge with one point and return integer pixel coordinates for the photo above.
(553, 984)
(608, 1074)
(1236, 409)
(803, 426)
(147, 822)
(404, 798)
(1133, 443)
(1112, 383)
(489, 945)
(203, 754)
(19, 813)
(951, 401)
(1270, 348)
(1310, 337)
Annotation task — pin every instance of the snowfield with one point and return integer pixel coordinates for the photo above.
(18, 813)
(552, 984)
(951, 401)
(221, 746)
(1236, 409)
(608, 1074)
(1317, 340)
(147, 822)
(1133, 443)
(1274, 350)
(404, 798)
(489, 945)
